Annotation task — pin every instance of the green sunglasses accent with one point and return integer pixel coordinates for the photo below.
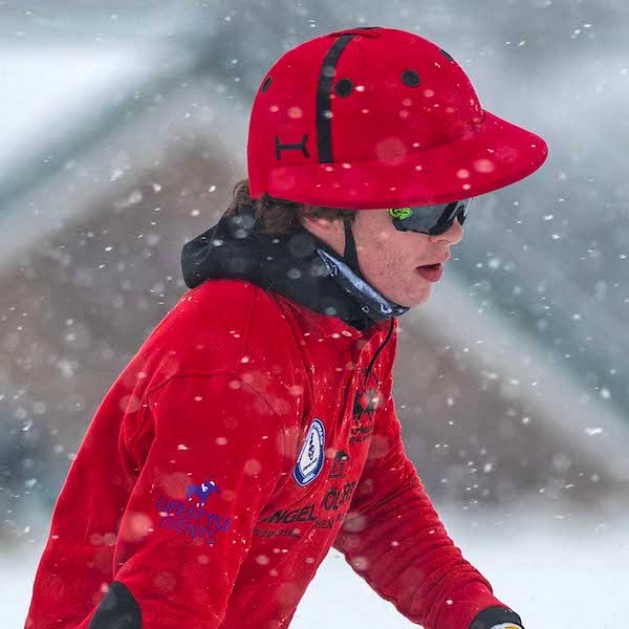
(430, 219)
(401, 212)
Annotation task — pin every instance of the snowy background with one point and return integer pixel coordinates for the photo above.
(123, 131)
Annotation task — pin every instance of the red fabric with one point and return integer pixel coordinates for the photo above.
(221, 397)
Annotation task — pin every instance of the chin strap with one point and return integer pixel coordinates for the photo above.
(349, 255)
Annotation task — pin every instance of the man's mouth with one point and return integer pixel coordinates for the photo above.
(430, 272)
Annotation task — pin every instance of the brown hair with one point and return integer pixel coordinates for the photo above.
(279, 216)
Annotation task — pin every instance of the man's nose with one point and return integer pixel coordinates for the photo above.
(453, 235)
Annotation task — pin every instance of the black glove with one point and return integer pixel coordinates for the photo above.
(497, 618)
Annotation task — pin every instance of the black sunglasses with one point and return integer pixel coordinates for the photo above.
(430, 219)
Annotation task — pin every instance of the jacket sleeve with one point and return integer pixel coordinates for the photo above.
(394, 539)
(209, 466)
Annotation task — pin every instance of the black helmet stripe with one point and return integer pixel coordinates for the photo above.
(324, 90)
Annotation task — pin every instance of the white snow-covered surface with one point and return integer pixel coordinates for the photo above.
(556, 571)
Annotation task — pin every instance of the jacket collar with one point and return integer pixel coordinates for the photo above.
(298, 266)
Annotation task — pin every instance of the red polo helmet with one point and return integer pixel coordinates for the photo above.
(375, 117)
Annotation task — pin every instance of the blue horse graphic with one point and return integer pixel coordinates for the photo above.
(202, 491)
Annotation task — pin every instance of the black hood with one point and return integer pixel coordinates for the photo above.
(299, 266)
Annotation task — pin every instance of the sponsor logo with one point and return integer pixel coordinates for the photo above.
(311, 458)
(335, 504)
(326, 523)
(338, 496)
(190, 518)
(366, 402)
(336, 500)
(286, 532)
(285, 516)
(339, 465)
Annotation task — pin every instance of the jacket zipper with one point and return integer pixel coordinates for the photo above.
(380, 348)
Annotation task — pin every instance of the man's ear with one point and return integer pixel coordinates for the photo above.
(330, 231)
(322, 226)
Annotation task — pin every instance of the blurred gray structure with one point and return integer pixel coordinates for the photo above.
(510, 382)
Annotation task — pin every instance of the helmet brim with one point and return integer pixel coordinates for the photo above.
(495, 154)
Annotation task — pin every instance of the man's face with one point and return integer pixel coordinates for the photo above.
(388, 258)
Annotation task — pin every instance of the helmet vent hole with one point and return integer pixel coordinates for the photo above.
(266, 84)
(446, 55)
(410, 78)
(343, 88)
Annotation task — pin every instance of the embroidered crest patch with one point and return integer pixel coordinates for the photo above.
(312, 456)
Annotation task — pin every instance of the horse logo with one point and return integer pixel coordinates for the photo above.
(202, 491)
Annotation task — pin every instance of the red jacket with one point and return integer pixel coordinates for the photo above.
(247, 436)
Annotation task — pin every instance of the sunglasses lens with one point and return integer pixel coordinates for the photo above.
(430, 219)
(462, 215)
(461, 210)
(418, 219)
